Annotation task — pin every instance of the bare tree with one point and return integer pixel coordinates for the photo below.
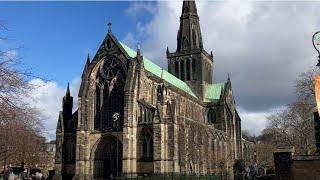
(304, 86)
(292, 127)
(20, 125)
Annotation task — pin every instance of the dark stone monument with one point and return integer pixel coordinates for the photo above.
(317, 130)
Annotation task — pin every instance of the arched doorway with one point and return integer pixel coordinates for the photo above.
(107, 158)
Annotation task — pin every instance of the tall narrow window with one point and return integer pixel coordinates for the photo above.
(193, 69)
(147, 146)
(97, 110)
(211, 116)
(182, 70)
(176, 68)
(188, 69)
(109, 95)
(194, 37)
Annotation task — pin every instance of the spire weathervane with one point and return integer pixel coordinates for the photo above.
(316, 44)
(109, 27)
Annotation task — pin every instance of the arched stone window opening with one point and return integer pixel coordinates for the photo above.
(146, 112)
(194, 36)
(147, 144)
(109, 95)
(182, 70)
(188, 69)
(193, 69)
(211, 116)
(176, 68)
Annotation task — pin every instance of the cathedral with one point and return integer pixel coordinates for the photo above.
(135, 118)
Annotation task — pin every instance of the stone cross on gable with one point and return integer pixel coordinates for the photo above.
(109, 27)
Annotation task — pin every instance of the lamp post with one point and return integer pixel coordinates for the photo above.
(316, 44)
(116, 117)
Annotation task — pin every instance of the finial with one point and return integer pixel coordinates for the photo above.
(88, 59)
(168, 50)
(211, 54)
(68, 90)
(138, 49)
(228, 77)
(161, 73)
(109, 27)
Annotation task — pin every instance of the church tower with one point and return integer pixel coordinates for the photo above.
(191, 63)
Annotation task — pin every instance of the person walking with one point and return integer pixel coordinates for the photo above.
(24, 175)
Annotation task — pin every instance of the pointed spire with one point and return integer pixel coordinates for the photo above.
(228, 77)
(189, 7)
(189, 34)
(168, 50)
(68, 91)
(211, 54)
(88, 59)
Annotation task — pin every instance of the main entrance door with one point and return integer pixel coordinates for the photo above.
(108, 158)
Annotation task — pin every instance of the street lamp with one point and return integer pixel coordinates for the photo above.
(316, 44)
(116, 117)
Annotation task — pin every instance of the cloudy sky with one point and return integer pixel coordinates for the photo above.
(263, 45)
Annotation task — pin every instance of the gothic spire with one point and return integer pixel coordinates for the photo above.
(189, 6)
(189, 34)
(67, 104)
(88, 59)
(68, 91)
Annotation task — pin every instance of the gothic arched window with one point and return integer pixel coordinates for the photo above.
(211, 116)
(188, 70)
(109, 95)
(193, 69)
(176, 68)
(147, 144)
(182, 70)
(194, 36)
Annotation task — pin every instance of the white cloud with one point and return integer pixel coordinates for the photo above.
(254, 122)
(263, 45)
(47, 98)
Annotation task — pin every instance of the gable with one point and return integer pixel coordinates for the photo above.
(214, 92)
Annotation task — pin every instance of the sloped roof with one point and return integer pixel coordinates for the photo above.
(160, 72)
(214, 91)
(212, 94)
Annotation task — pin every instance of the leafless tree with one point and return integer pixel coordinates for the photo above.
(292, 127)
(304, 86)
(20, 125)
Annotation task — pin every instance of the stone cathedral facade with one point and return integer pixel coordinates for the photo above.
(135, 118)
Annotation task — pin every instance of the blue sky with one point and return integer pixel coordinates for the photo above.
(56, 36)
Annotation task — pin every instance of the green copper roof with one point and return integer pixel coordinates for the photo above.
(214, 91)
(159, 72)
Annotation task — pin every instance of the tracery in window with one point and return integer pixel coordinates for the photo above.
(146, 114)
(146, 139)
(109, 94)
